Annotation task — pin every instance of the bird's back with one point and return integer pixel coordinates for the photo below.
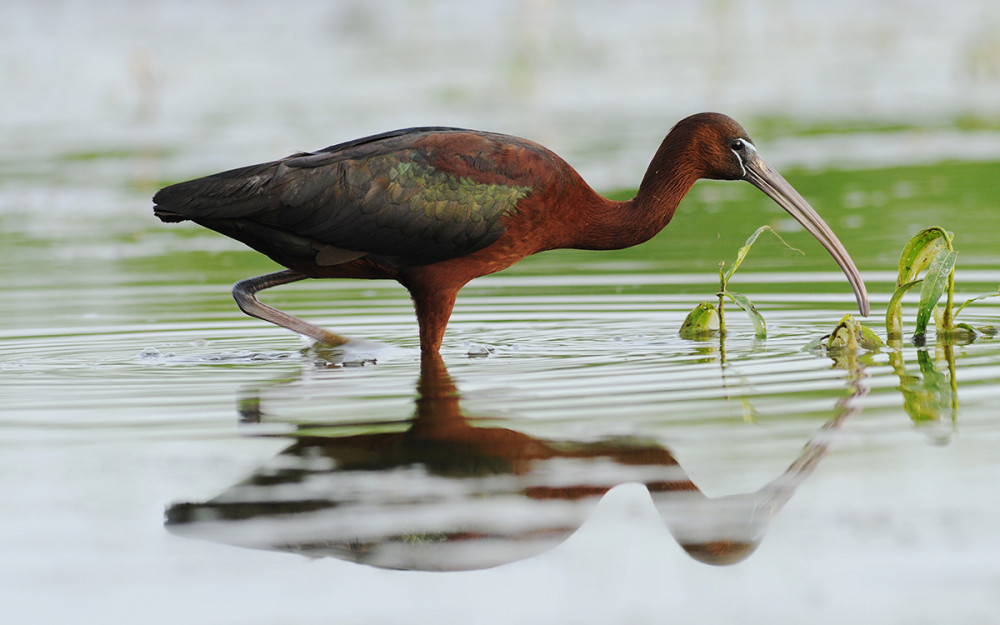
(409, 196)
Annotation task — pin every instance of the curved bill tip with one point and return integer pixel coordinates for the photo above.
(759, 174)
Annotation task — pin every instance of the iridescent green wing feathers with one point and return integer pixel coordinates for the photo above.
(389, 196)
(395, 205)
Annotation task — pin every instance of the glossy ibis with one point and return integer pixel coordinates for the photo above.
(434, 208)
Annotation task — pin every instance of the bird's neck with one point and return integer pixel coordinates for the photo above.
(617, 225)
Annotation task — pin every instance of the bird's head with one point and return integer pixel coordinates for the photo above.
(717, 147)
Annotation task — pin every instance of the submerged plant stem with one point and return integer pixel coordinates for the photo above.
(723, 283)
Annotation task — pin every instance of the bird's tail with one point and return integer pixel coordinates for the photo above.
(167, 215)
(228, 195)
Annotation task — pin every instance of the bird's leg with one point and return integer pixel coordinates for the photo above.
(433, 308)
(244, 292)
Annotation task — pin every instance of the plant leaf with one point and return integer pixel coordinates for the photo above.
(893, 314)
(759, 327)
(845, 336)
(850, 334)
(975, 299)
(743, 251)
(868, 340)
(960, 333)
(700, 322)
(920, 250)
(934, 286)
(816, 343)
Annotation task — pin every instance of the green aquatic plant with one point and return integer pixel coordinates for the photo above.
(930, 397)
(847, 340)
(931, 251)
(851, 335)
(707, 319)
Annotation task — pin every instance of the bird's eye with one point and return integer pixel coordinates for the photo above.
(737, 145)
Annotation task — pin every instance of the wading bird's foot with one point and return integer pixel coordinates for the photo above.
(351, 353)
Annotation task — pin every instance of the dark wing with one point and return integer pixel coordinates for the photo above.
(412, 196)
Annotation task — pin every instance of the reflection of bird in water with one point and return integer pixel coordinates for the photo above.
(434, 208)
(445, 494)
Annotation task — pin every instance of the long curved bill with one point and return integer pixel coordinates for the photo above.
(760, 175)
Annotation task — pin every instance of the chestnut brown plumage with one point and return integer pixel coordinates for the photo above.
(434, 208)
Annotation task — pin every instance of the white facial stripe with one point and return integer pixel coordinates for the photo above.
(740, 159)
(750, 150)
